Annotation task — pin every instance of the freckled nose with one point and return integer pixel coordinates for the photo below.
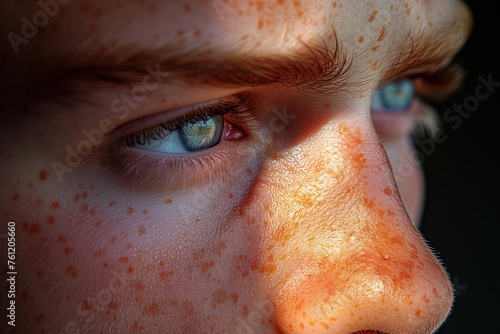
(347, 258)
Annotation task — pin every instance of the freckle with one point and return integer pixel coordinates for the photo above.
(15, 197)
(234, 297)
(80, 185)
(260, 24)
(163, 100)
(301, 325)
(123, 259)
(418, 313)
(142, 230)
(231, 196)
(248, 171)
(99, 253)
(426, 299)
(105, 265)
(408, 12)
(61, 239)
(85, 195)
(372, 17)
(77, 198)
(112, 240)
(375, 65)
(381, 37)
(168, 201)
(71, 271)
(187, 8)
(219, 297)
(151, 310)
(50, 220)
(86, 305)
(164, 275)
(30, 185)
(260, 6)
(55, 205)
(375, 47)
(417, 18)
(98, 224)
(34, 229)
(112, 305)
(276, 157)
(128, 245)
(180, 33)
(98, 13)
(435, 292)
(388, 191)
(152, 8)
(327, 105)
(39, 318)
(130, 210)
(39, 273)
(161, 263)
(334, 4)
(68, 250)
(112, 204)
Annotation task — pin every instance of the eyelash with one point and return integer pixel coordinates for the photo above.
(155, 170)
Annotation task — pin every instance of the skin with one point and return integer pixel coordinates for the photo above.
(304, 230)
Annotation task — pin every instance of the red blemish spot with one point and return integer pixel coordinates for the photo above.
(168, 201)
(112, 305)
(99, 253)
(105, 265)
(80, 185)
(161, 263)
(61, 239)
(77, 198)
(85, 195)
(72, 271)
(30, 185)
(123, 259)
(205, 266)
(130, 270)
(112, 240)
(327, 105)
(388, 191)
(136, 327)
(138, 286)
(34, 229)
(128, 245)
(15, 197)
(55, 205)
(151, 310)
(234, 297)
(86, 305)
(372, 17)
(98, 223)
(231, 196)
(244, 311)
(187, 8)
(165, 275)
(130, 210)
(276, 157)
(375, 47)
(145, 212)
(163, 100)
(241, 212)
(248, 171)
(50, 220)
(42, 176)
(112, 204)
(142, 230)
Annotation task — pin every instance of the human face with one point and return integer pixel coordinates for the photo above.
(299, 220)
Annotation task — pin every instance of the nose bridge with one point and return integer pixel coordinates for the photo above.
(345, 253)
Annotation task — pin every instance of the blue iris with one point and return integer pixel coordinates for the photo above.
(395, 97)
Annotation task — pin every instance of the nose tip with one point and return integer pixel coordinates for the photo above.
(353, 262)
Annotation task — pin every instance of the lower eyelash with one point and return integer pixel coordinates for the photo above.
(426, 122)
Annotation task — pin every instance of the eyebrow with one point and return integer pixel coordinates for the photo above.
(308, 67)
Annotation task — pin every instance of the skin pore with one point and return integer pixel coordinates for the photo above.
(298, 221)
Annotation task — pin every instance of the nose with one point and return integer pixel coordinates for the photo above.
(345, 256)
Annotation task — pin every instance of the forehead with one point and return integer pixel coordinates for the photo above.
(369, 31)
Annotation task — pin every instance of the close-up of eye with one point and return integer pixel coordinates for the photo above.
(394, 97)
(190, 137)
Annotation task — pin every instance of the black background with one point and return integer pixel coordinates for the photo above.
(461, 219)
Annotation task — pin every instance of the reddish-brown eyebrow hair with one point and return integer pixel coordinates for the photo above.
(309, 67)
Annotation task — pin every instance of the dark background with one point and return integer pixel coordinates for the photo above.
(461, 219)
